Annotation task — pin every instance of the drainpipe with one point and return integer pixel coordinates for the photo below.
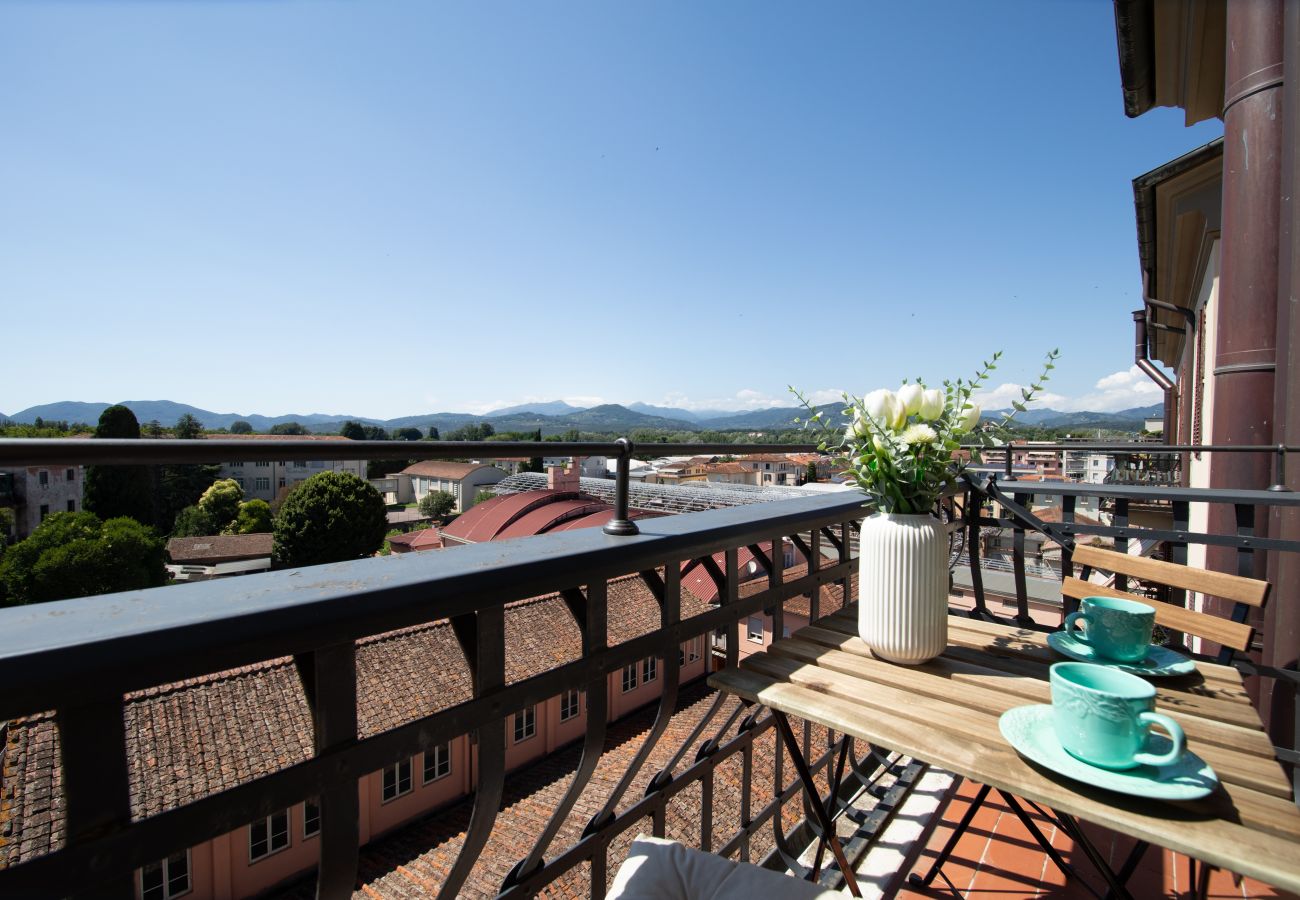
(1282, 619)
(1246, 346)
(1142, 358)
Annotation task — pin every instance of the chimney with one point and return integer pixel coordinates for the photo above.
(560, 478)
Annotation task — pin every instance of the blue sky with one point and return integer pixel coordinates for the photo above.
(383, 208)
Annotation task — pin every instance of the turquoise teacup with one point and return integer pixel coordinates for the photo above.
(1104, 716)
(1114, 628)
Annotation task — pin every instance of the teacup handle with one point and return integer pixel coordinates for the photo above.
(1069, 626)
(1176, 735)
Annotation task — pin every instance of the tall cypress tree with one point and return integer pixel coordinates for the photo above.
(113, 491)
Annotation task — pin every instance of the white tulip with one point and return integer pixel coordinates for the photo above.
(910, 396)
(970, 417)
(883, 407)
(931, 405)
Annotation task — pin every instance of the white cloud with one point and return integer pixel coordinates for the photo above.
(1005, 394)
(1124, 389)
(745, 400)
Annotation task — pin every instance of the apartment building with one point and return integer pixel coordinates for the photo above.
(34, 492)
(263, 479)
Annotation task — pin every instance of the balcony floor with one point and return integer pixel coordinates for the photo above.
(998, 859)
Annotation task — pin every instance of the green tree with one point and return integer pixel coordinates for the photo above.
(221, 503)
(239, 426)
(188, 428)
(181, 484)
(433, 433)
(436, 504)
(353, 431)
(289, 428)
(153, 428)
(254, 517)
(78, 555)
(811, 474)
(330, 517)
(483, 495)
(193, 522)
(112, 491)
(535, 462)
(407, 434)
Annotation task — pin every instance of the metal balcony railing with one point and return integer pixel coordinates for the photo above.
(78, 658)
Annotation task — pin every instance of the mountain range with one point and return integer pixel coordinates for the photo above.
(554, 417)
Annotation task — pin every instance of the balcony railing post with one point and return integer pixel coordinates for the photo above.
(96, 786)
(1279, 469)
(621, 524)
(329, 680)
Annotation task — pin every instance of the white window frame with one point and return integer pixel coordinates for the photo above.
(568, 711)
(693, 649)
(307, 817)
(269, 824)
(165, 866)
(262, 483)
(629, 677)
(755, 635)
(649, 669)
(525, 724)
(397, 779)
(441, 758)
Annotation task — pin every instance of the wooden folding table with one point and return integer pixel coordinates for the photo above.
(946, 713)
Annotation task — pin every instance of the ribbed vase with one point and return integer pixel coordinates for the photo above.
(903, 587)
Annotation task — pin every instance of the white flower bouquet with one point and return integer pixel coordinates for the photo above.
(901, 446)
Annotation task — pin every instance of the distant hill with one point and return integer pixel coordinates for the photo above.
(609, 417)
(1123, 420)
(551, 408)
(167, 412)
(685, 415)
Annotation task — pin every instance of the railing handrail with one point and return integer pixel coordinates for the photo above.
(1256, 497)
(1137, 447)
(151, 451)
(51, 653)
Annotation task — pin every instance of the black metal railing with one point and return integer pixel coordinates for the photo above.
(78, 658)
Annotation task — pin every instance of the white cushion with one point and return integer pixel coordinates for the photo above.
(656, 869)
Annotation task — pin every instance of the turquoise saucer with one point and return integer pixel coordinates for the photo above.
(1029, 729)
(1161, 662)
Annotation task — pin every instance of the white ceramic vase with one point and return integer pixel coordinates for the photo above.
(903, 587)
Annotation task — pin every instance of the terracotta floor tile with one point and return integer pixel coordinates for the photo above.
(998, 859)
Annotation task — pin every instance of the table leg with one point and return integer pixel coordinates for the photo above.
(819, 811)
(830, 802)
(1075, 832)
(1065, 868)
(937, 865)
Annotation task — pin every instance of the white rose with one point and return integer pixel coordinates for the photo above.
(969, 418)
(884, 408)
(931, 405)
(910, 396)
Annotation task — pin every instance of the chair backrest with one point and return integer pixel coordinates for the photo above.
(1226, 632)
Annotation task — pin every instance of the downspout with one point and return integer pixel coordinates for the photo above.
(1142, 358)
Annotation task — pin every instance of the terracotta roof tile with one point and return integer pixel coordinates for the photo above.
(220, 547)
(436, 468)
(413, 861)
(194, 738)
